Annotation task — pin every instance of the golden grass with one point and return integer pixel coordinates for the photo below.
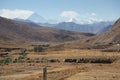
(73, 53)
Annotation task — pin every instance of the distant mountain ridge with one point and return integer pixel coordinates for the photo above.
(95, 28)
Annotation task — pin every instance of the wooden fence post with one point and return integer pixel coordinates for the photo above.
(45, 73)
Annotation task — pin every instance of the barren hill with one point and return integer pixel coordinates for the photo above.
(109, 40)
(111, 37)
(12, 30)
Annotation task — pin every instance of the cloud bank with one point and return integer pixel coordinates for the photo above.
(88, 18)
(21, 14)
(69, 14)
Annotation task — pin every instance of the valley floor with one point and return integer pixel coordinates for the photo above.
(58, 69)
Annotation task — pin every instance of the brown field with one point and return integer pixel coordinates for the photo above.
(57, 69)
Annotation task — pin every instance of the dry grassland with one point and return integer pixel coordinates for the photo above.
(58, 69)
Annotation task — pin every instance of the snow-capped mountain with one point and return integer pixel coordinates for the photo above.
(96, 28)
(36, 18)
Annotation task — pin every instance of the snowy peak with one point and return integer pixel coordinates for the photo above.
(36, 18)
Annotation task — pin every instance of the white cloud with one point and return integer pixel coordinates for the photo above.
(93, 14)
(94, 19)
(69, 14)
(22, 14)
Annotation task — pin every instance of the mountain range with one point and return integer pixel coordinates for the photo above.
(19, 31)
(95, 28)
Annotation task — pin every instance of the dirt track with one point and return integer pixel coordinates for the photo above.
(56, 73)
(76, 72)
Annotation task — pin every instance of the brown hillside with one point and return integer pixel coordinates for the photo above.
(111, 37)
(11, 30)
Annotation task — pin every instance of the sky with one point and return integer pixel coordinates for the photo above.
(62, 10)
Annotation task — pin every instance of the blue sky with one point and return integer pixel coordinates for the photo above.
(61, 10)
